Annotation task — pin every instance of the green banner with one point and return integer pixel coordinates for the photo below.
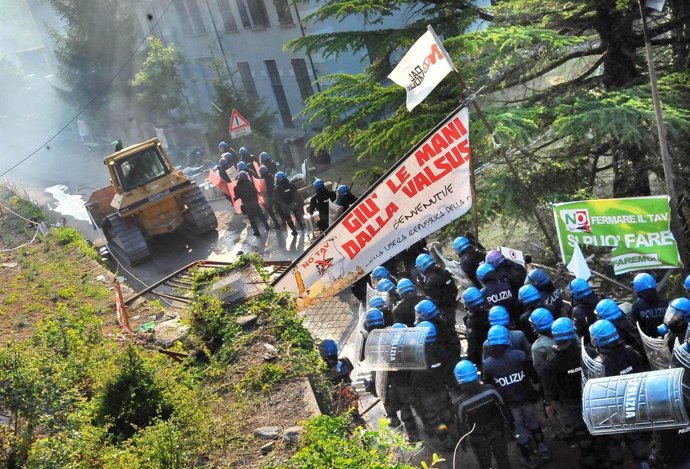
(637, 228)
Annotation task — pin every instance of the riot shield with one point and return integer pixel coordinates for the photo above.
(591, 368)
(372, 292)
(657, 352)
(397, 349)
(452, 266)
(647, 401)
(681, 355)
(361, 333)
(381, 383)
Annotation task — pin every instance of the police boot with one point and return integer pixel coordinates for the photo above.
(528, 459)
(292, 226)
(255, 227)
(543, 450)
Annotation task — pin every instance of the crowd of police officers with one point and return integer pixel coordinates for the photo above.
(523, 340)
(523, 353)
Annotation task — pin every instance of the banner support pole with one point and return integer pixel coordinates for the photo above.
(511, 166)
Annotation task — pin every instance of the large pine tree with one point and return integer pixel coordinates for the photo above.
(564, 83)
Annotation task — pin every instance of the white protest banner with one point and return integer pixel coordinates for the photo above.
(513, 255)
(422, 68)
(424, 191)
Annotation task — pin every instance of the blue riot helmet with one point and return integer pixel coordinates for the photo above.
(374, 318)
(538, 278)
(243, 176)
(472, 297)
(483, 270)
(686, 284)
(433, 335)
(563, 329)
(498, 316)
(603, 333)
(385, 285)
(528, 294)
(318, 184)
(580, 289)
(241, 166)
(244, 152)
(405, 286)
(461, 244)
(608, 309)
(424, 262)
(426, 310)
(380, 272)
(328, 349)
(264, 157)
(377, 302)
(465, 372)
(263, 170)
(495, 258)
(223, 146)
(677, 316)
(498, 335)
(643, 282)
(343, 189)
(541, 319)
(281, 176)
(398, 325)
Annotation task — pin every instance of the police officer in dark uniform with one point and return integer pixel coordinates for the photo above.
(344, 197)
(338, 369)
(476, 323)
(562, 390)
(319, 201)
(434, 405)
(267, 176)
(551, 295)
(510, 371)
(498, 292)
(225, 163)
(675, 325)
(266, 160)
(387, 286)
(584, 301)
(439, 285)
(470, 258)
(285, 196)
(649, 308)
(619, 359)
(609, 310)
(447, 339)
(542, 348)
(480, 410)
(247, 157)
(249, 169)
(246, 192)
(498, 316)
(379, 303)
(403, 311)
(508, 270)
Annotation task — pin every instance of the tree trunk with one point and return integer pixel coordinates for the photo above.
(681, 46)
(630, 172)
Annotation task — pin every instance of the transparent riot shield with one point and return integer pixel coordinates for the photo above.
(647, 401)
(381, 384)
(372, 292)
(452, 266)
(681, 355)
(361, 333)
(657, 352)
(591, 368)
(396, 349)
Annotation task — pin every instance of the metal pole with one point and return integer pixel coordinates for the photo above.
(676, 226)
(513, 169)
(220, 43)
(311, 62)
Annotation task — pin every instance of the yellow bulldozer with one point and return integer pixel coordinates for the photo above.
(146, 197)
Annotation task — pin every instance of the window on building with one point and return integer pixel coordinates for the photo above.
(226, 14)
(279, 93)
(253, 13)
(247, 79)
(302, 77)
(283, 9)
(190, 16)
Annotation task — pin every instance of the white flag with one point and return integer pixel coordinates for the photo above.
(422, 68)
(578, 264)
(657, 5)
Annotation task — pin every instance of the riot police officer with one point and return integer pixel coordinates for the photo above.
(562, 389)
(344, 197)
(480, 410)
(649, 308)
(675, 325)
(285, 196)
(508, 270)
(529, 297)
(338, 369)
(542, 348)
(583, 301)
(511, 372)
(551, 295)
(246, 192)
(498, 292)
(498, 316)
(401, 391)
(387, 286)
(266, 160)
(476, 323)
(403, 311)
(319, 202)
(267, 176)
(439, 285)
(379, 273)
(470, 258)
(609, 310)
(447, 339)
(379, 303)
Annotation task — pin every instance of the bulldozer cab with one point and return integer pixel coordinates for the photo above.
(138, 166)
